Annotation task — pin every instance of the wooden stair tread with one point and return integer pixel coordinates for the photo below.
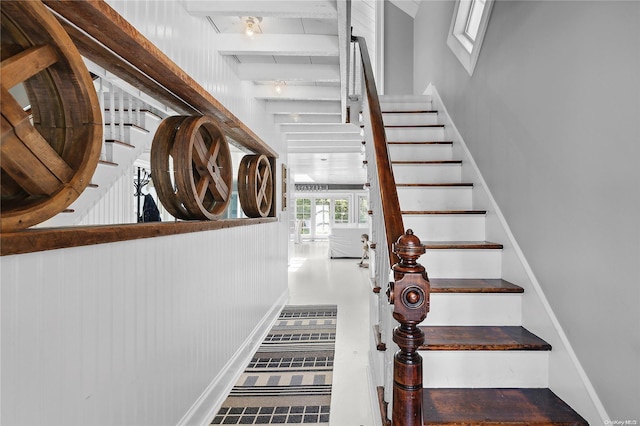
(461, 245)
(143, 110)
(135, 126)
(395, 126)
(463, 184)
(119, 142)
(422, 143)
(435, 212)
(108, 163)
(473, 285)
(427, 162)
(484, 406)
(481, 338)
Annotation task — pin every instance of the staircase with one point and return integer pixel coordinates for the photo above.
(129, 126)
(480, 365)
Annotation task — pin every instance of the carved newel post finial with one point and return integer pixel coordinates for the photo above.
(409, 295)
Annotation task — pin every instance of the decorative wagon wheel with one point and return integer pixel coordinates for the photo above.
(202, 167)
(255, 185)
(162, 166)
(50, 153)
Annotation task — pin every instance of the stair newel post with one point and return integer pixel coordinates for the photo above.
(409, 295)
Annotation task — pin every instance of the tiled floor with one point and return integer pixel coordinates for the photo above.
(316, 279)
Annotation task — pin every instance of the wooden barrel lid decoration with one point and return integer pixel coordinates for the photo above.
(191, 167)
(50, 152)
(255, 185)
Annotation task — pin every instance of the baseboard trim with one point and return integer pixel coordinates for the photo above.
(208, 403)
(432, 91)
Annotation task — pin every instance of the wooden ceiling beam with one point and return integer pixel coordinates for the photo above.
(277, 44)
(316, 9)
(289, 72)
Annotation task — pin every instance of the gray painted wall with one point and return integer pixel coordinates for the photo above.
(552, 117)
(398, 51)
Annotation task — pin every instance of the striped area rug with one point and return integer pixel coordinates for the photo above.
(288, 380)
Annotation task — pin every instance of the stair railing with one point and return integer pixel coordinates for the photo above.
(395, 258)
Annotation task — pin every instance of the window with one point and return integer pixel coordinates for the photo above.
(473, 21)
(468, 26)
(341, 211)
(303, 214)
(323, 224)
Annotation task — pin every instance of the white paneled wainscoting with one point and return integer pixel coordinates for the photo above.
(136, 332)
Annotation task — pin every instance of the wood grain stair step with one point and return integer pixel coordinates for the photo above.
(461, 245)
(427, 185)
(133, 126)
(473, 285)
(484, 406)
(107, 163)
(428, 162)
(481, 338)
(437, 212)
(402, 126)
(119, 142)
(422, 143)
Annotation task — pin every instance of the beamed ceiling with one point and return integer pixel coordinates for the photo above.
(297, 60)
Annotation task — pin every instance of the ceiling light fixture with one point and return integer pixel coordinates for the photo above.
(251, 24)
(279, 85)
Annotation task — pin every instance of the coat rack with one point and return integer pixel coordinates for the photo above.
(144, 177)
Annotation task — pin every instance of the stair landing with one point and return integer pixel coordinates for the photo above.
(496, 407)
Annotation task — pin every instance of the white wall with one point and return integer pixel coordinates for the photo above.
(135, 332)
(551, 117)
(191, 43)
(132, 332)
(398, 51)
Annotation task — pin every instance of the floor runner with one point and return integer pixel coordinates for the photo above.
(288, 380)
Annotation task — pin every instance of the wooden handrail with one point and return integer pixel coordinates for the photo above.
(119, 47)
(394, 227)
(42, 239)
(409, 290)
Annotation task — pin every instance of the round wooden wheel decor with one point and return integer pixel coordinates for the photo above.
(50, 152)
(255, 185)
(191, 167)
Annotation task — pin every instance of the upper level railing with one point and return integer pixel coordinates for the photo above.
(54, 176)
(395, 259)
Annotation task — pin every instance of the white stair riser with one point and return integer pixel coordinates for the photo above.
(463, 263)
(443, 227)
(420, 152)
(427, 173)
(435, 198)
(475, 309)
(412, 119)
(415, 134)
(116, 150)
(485, 369)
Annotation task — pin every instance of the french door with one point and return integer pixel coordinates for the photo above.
(316, 216)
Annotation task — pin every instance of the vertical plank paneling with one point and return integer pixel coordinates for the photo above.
(132, 332)
(168, 25)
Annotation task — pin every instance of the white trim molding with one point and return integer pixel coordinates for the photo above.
(464, 48)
